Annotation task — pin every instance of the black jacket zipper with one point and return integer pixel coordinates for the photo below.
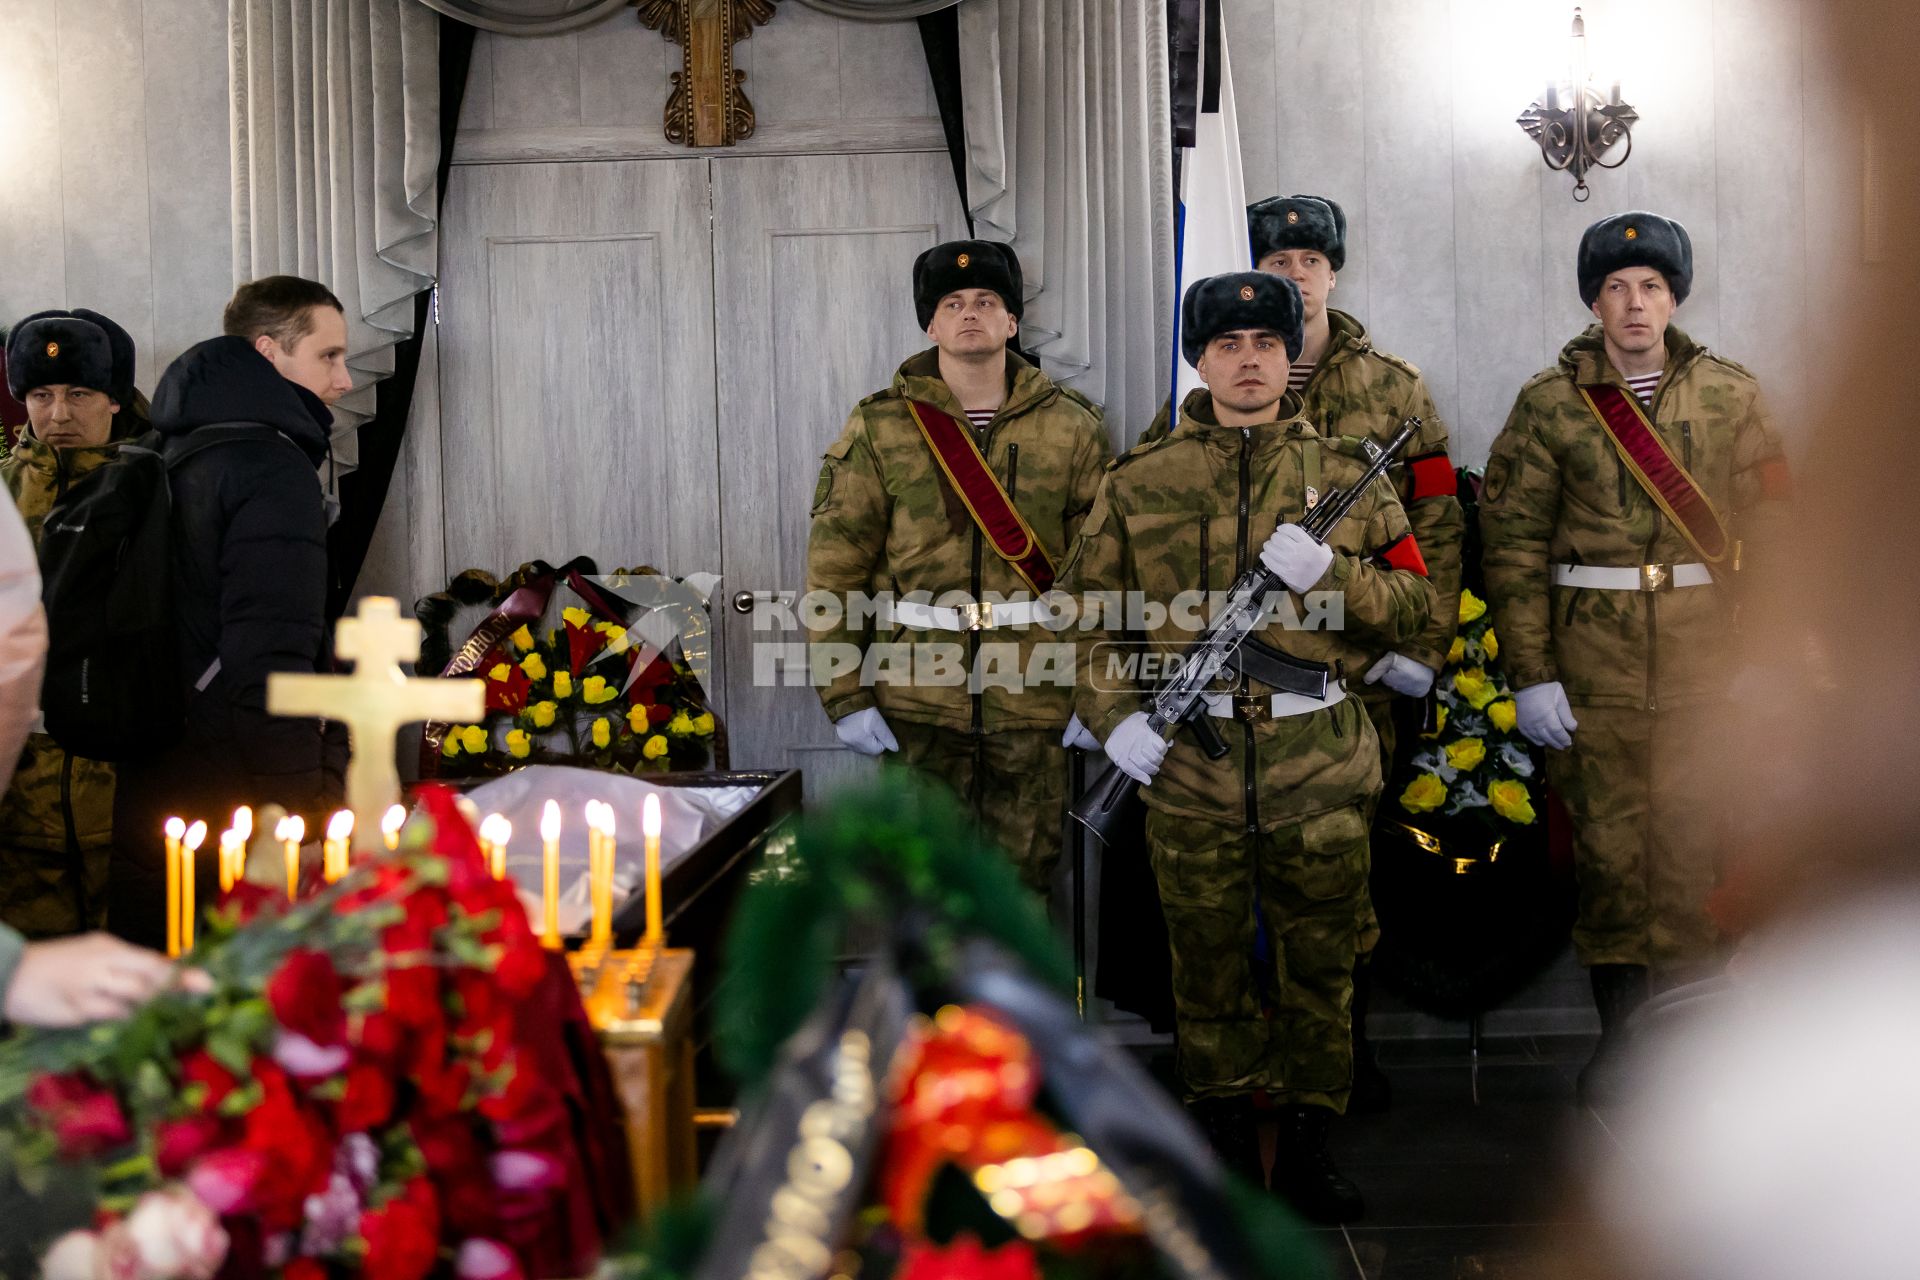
(1252, 773)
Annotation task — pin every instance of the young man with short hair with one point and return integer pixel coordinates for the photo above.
(1617, 497)
(249, 577)
(968, 430)
(1278, 828)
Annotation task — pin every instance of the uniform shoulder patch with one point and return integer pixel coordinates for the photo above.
(1140, 450)
(1080, 399)
(1408, 367)
(1733, 366)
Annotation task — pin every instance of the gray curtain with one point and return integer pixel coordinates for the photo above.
(1069, 159)
(879, 10)
(336, 145)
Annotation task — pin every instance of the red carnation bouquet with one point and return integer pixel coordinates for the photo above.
(350, 1098)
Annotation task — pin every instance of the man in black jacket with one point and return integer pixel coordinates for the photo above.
(249, 580)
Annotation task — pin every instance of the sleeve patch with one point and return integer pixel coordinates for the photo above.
(1776, 480)
(1403, 553)
(1499, 469)
(1432, 475)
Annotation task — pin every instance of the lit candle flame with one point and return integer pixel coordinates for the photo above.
(550, 821)
(294, 830)
(340, 825)
(175, 828)
(243, 823)
(390, 825)
(196, 835)
(650, 817)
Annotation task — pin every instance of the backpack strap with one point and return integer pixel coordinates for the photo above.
(218, 433)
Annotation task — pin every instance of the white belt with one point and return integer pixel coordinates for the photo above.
(970, 617)
(1646, 577)
(1284, 704)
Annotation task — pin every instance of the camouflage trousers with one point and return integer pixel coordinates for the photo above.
(1380, 712)
(1014, 783)
(1243, 1028)
(1646, 834)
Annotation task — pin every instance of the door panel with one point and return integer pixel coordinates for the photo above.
(813, 258)
(576, 352)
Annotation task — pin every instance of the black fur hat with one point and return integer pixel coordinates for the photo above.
(59, 348)
(1298, 222)
(1636, 240)
(118, 339)
(966, 264)
(1240, 300)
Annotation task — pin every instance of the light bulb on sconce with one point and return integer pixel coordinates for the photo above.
(1576, 129)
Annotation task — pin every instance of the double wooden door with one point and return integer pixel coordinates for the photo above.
(643, 361)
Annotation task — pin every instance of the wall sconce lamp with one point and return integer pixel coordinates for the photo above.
(1575, 126)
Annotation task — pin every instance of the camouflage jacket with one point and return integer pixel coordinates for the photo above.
(1557, 492)
(58, 813)
(1190, 512)
(1359, 390)
(886, 519)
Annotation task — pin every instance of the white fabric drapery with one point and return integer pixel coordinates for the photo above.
(1069, 159)
(336, 152)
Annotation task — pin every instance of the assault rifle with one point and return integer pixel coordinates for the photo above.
(1226, 645)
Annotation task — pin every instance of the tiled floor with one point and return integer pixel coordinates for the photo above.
(1457, 1189)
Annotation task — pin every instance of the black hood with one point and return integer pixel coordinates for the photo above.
(224, 380)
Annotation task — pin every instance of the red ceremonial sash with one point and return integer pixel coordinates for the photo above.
(1008, 532)
(1674, 491)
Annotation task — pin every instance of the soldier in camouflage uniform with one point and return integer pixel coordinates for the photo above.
(1349, 387)
(887, 519)
(1612, 629)
(74, 372)
(1279, 827)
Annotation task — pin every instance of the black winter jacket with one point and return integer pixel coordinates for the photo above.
(250, 571)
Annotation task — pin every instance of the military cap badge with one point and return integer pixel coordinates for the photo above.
(1246, 293)
(53, 349)
(1293, 215)
(963, 260)
(1633, 233)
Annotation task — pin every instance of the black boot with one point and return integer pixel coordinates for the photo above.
(1304, 1172)
(1228, 1124)
(1372, 1092)
(1618, 989)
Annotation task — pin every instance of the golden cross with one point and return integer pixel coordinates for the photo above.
(375, 701)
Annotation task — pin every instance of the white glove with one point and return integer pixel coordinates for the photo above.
(1079, 736)
(1135, 749)
(1544, 716)
(866, 732)
(1294, 558)
(1402, 675)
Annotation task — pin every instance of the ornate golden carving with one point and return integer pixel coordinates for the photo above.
(707, 107)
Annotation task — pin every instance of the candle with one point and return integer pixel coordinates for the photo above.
(188, 845)
(650, 828)
(550, 876)
(229, 839)
(175, 829)
(494, 834)
(339, 832)
(390, 825)
(233, 861)
(608, 845)
(290, 833)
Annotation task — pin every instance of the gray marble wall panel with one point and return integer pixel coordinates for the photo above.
(114, 146)
(1461, 243)
(103, 163)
